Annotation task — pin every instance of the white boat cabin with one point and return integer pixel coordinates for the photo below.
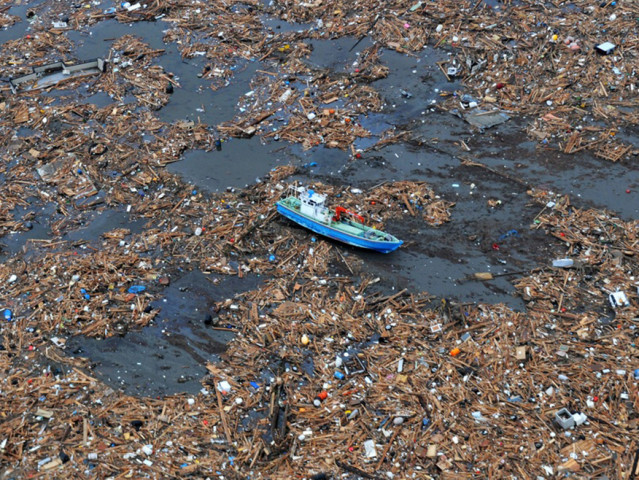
(314, 205)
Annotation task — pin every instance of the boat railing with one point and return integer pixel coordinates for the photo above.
(290, 191)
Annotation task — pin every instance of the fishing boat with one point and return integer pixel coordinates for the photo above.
(308, 209)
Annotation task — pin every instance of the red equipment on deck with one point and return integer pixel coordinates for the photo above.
(340, 210)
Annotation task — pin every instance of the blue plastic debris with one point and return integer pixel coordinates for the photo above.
(8, 315)
(339, 375)
(509, 233)
(255, 385)
(271, 258)
(136, 289)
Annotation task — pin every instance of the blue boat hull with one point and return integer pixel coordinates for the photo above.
(378, 246)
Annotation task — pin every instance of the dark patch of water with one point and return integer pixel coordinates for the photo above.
(322, 161)
(61, 97)
(22, 132)
(15, 242)
(376, 123)
(98, 42)
(19, 28)
(97, 222)
(239, 163)
(170, 355)
(99, 99)
(589, 181)
(195, 100)
(338, 54)
(412, 84)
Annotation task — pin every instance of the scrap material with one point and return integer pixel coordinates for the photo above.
(327, 376)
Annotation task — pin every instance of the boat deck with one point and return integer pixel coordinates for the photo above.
(352, 227)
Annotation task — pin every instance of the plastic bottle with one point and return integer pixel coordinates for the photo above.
(563, 262)
(286, 95)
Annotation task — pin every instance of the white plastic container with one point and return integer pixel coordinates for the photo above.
(563, 263)
(579, 418)
(618, 299)
(369, 447)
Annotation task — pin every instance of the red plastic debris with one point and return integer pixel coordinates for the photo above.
(495, 246)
